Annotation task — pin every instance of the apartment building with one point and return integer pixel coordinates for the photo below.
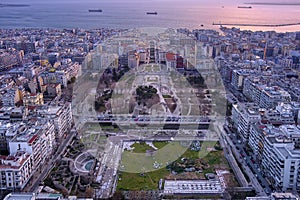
(60, 116)
(15, 171)
(243, 116)
(281, 162)
(282, 114)
(11, 97)
(33, 99)
(38, 141)
(271, 96)
(237, 78)
(256, 136)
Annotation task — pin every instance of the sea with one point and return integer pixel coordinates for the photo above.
(124, 14)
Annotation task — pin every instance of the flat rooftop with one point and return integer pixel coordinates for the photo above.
(192, 187)
(15, 196)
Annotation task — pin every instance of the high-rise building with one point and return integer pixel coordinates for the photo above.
(281, 163)
(15, 171)
(243, 116)
(152, 52)
(271, 96)
(60, 116)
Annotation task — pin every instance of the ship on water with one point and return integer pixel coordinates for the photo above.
(13, 5)
(248, 7)
(95, 10)
(151, 13)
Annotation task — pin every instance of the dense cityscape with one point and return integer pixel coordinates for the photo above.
(149, 114)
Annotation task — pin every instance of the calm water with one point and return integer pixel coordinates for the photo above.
(129, 14)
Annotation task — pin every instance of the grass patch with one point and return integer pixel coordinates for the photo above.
(148, 68)
(159, 145)
(141, 147)
(189, 154)
(166, 96)
(214, 158)
(211, 158)
(156, 68)
(204, 152)
(146, 181)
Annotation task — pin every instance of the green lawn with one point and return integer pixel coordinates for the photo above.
(190, 154)
(204, 145)
(156, 68)
(138, 161)
(204, 152)
(214, 158)
(166, 96)
(173, 152)
(148, 68)
(141, 147)
(146, 181)
(160, 145)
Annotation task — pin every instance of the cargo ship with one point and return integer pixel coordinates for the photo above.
(13, 5)
(248, 7)
(95, 10)
(151, 13)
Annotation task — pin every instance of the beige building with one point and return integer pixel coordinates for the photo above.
(33, 99)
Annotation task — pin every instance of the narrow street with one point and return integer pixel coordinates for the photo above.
(40, 174)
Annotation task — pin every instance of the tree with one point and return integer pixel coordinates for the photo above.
(73, 79)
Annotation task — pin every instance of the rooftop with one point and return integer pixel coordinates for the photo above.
(192, 187)
(23, 196)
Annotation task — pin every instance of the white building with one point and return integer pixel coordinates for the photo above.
(60, 116)
(271, 96)
(256, 137)
(38, 141)
(252, 89)
(281, 162)
(243, 115)
(237, 78)
(193, 187)
(282, 114)
(265, 97)
(15, 170)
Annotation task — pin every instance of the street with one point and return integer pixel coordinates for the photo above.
(41, 173)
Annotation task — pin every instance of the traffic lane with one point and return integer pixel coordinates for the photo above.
(248, 171)
(249, 162)
(255, 168)
(245, 160)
